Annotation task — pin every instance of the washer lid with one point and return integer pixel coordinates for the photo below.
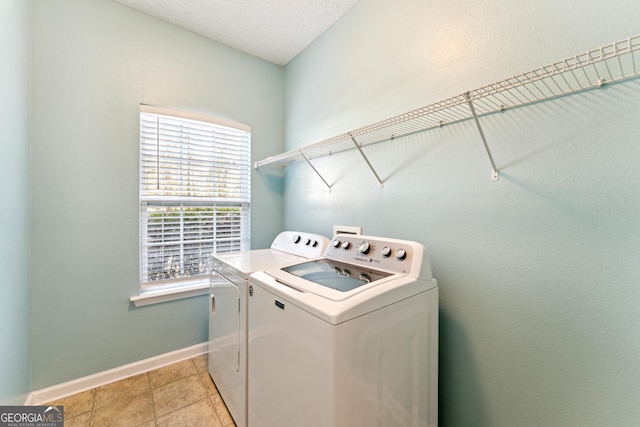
(335, 306)
(330, 279)
(335, 275)
(242, 264)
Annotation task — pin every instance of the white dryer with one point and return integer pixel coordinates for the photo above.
(345, 340)
(228, 310)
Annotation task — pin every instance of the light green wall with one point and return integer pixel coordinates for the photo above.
(94, 62)
(538, 272)
(14, 205)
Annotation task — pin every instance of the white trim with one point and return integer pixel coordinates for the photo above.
(171, 294)
(151, 109)
(79, 385)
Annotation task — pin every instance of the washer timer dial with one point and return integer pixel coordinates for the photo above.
(364, 248)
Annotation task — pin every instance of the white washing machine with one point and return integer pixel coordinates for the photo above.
(345, 340)
(228, 310)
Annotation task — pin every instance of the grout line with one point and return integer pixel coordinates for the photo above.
(153, 402)
(93, 406)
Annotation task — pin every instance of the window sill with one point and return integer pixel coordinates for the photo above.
(172, 294)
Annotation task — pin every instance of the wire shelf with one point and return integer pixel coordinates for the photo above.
(615, 62)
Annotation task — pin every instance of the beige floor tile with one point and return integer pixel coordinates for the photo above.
(79, 421)
(202, 362)
(208, 383)
(216, 398)
(199, 414)
(76, 404)
(178, 394)
(171, 373)
(124, 389)
(223, 413)
(125, 413)
(182, 394)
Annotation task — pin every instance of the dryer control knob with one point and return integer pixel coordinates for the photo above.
(364, 248)
(345, 244)
(401, 254)
(386, 252)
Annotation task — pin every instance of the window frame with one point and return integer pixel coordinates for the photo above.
(239, 219)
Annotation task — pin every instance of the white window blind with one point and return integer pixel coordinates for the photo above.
(194, 193)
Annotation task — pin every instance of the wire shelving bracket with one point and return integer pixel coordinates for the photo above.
(315, 170)
(608, 64)
(380, 182)
(494, 171)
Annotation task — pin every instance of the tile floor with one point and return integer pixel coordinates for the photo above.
(181, 394)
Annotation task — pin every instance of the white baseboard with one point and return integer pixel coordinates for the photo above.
(79, 385)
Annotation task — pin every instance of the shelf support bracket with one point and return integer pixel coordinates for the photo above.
(366, 160)
(314, 169)
(494, 171)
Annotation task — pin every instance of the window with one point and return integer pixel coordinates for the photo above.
(194, 193)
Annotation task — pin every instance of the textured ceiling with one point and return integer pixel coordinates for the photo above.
(274, 30)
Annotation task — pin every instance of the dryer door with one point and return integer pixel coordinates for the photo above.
(224, 324)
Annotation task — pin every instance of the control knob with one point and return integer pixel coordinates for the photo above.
(296, 238)
(386, 252)
(401, 254)
(364, 248)
(345, 244)
(335, 243)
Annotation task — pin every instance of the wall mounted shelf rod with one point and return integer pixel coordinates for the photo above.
(366, 160)
(494, 171)
(315, 170)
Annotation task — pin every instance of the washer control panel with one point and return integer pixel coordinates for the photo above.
(308, 245)
(376, 252)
